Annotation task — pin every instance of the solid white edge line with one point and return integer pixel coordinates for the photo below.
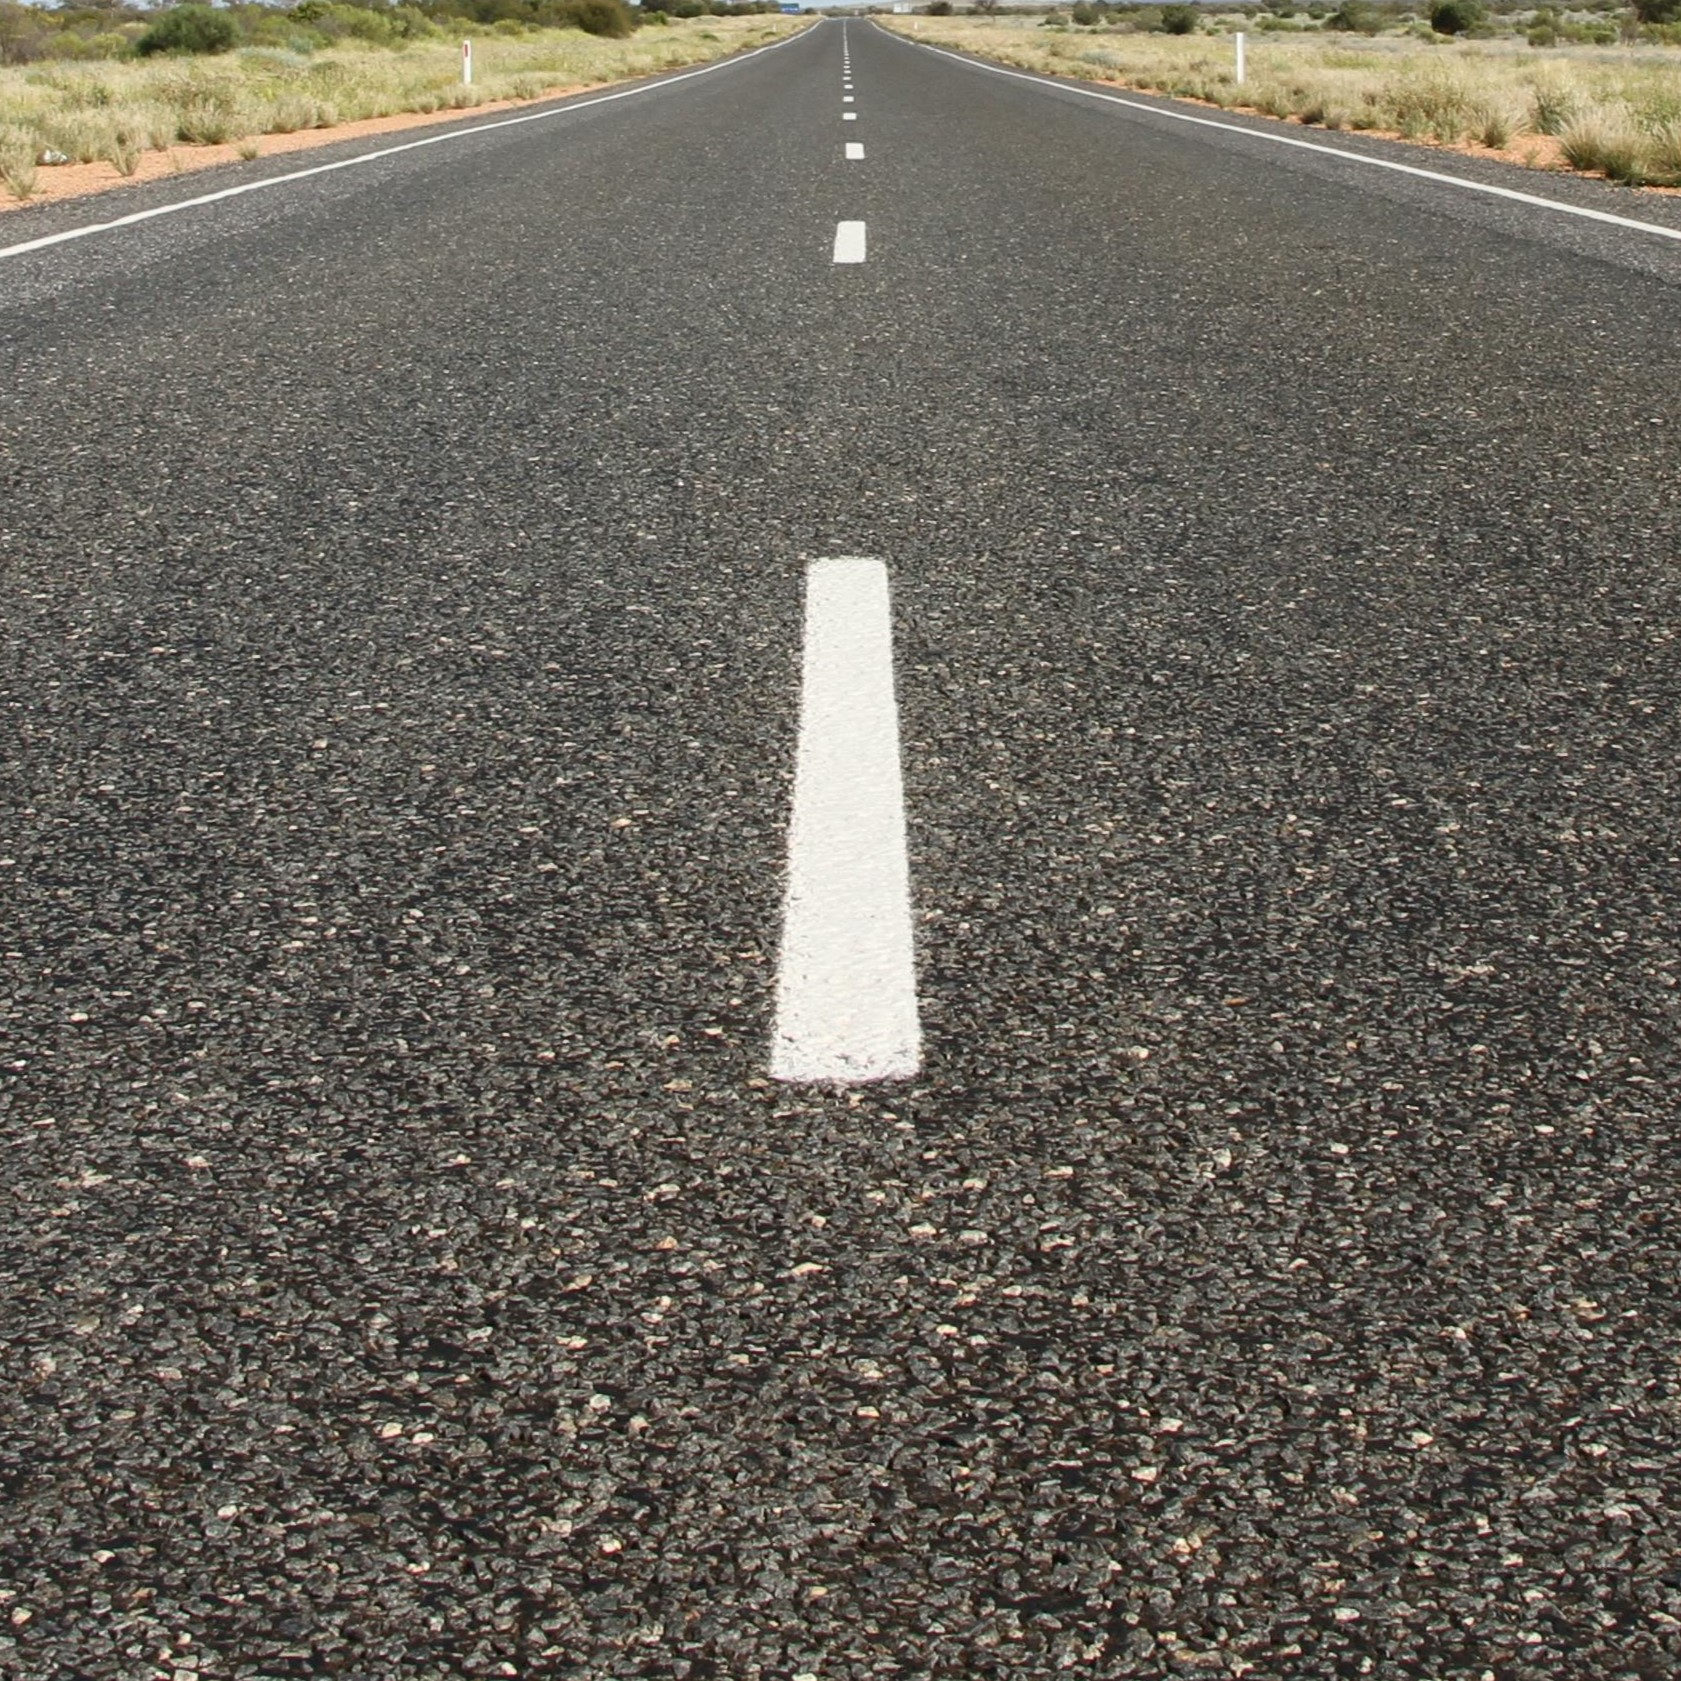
(846, 1006)
(850, 244)
(384, 152)
(1510, 193)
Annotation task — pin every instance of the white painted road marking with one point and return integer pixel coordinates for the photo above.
(849, 242)
(846, 979)
(384, 152)
(846, 99)
(846, 117)
(1436, 175)
(854, 152)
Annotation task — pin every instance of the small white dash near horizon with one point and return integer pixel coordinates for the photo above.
(854, 152)
(850, 245)
(846, 1008)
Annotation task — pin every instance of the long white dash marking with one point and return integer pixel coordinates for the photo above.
(1509, 193)
(846, 981)
(373, 157)
(854, 152)
(846, 117)
(849, 242)
(846, 99)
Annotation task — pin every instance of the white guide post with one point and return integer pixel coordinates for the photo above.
(1238, 38)
(467, 64)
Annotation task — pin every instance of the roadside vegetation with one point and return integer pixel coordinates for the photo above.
(112, 84)
(1595, 89)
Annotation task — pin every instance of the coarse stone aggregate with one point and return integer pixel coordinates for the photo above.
(411, 1271)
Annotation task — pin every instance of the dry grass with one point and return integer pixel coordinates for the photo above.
(116, 112)
(1615, 110)
(17, 162)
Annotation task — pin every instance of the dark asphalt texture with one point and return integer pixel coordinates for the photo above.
(410, 1271)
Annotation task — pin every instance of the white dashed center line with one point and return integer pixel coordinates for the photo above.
(846, 1007)
(849, 116)
(849, 242)
(854, 152)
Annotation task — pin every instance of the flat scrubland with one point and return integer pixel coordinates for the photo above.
(118, 112)
(1612, 109)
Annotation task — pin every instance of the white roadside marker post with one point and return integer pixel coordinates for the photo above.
(1238, 38)
(467, 64)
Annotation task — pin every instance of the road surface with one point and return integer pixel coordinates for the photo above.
(1263, 1260)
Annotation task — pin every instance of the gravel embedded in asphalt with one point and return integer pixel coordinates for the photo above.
(412, 1270)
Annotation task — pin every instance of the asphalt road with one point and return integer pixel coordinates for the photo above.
(411, 1269)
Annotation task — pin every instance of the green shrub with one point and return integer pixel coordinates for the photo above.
(1455, 17)
(1179, 20)
(612, 18)
(1358, 17)
(1658, 11)
(189, 29)
(334, 20)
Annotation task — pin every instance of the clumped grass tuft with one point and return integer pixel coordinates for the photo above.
(1664, 155)
(17, 162)
(123, 154)
(1436, 105)
(1603, 145)
(1552, 107)
(1274, 100)
(208, 114)
(1494, 129)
